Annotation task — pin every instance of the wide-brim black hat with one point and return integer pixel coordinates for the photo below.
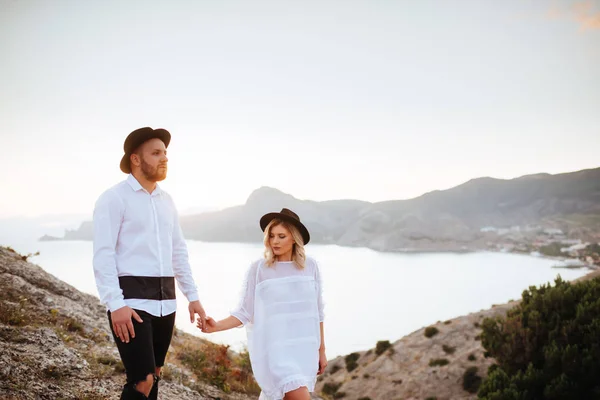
(288, 216)
(136, 138)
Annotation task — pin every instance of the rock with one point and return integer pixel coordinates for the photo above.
(55, 342)
(403, 371)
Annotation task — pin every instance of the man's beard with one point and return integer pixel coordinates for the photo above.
(153, 174)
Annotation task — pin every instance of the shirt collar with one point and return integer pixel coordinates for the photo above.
(135, 185)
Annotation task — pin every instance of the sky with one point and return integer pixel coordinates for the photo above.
(370, 100)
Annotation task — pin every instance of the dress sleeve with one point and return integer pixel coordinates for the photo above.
(319, 283)
(245, 308)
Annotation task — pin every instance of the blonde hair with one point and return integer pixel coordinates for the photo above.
(298, 255)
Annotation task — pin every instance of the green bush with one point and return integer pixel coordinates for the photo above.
(472, 357)
(438, 362)
(448, 349)
(335, 368)
(382, 346)
(552, 250)
(364, 398)
(210, 362)
(330, 388)
(547, 346)
(351, 361)
(431, 331)
(471, 381)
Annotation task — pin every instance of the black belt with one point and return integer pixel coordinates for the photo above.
(148, 287)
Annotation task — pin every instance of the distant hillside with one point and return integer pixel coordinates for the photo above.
(441, 220)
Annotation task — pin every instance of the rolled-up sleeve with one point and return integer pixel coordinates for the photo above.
(108, 213)
(320, 303)
(245, 308)
(181, 264)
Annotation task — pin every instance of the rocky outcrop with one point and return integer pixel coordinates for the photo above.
(429, 363)
(55, 343)
(418, 366)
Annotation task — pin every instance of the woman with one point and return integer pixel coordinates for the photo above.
(282, 310)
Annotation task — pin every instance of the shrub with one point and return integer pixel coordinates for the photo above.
(335, 368)
(211, 363)
(73, 325)
(547, 346)
(382, 346)
(330, 388)
(364, 398)
(219, 369)
(438, 362)
(472, 357)
(431, 331)
(448, 349)
(366, 376)
(339, 395)
(15, 315)
(552, 250)
(351, 361)
(447, 322)
(471, 381)
(28, 255)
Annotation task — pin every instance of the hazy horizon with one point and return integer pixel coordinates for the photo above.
(323, 100)
(198, 210)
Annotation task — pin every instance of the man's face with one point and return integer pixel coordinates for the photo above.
(152, 159)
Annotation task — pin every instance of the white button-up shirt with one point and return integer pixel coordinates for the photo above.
(138, 234)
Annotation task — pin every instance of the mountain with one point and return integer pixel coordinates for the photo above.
(21, 229)
(440, 220)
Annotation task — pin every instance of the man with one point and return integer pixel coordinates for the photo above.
(139, 252)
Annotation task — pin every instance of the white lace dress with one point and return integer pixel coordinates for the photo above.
(281, 307)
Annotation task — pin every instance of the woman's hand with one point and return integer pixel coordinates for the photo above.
(322, 361)
(210, 325)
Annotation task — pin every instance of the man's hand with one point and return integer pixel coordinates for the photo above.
(196, 308)
(121, 323)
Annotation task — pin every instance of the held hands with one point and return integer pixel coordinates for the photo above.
(322, 361)
(121, 323)
(196, 308)
(210, 325)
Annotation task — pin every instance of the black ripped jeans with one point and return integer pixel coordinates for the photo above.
(145, 352)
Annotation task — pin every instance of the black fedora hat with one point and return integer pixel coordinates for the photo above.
(136, 138)
(288, 216)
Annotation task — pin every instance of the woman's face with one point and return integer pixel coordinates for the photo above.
(281, 242)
